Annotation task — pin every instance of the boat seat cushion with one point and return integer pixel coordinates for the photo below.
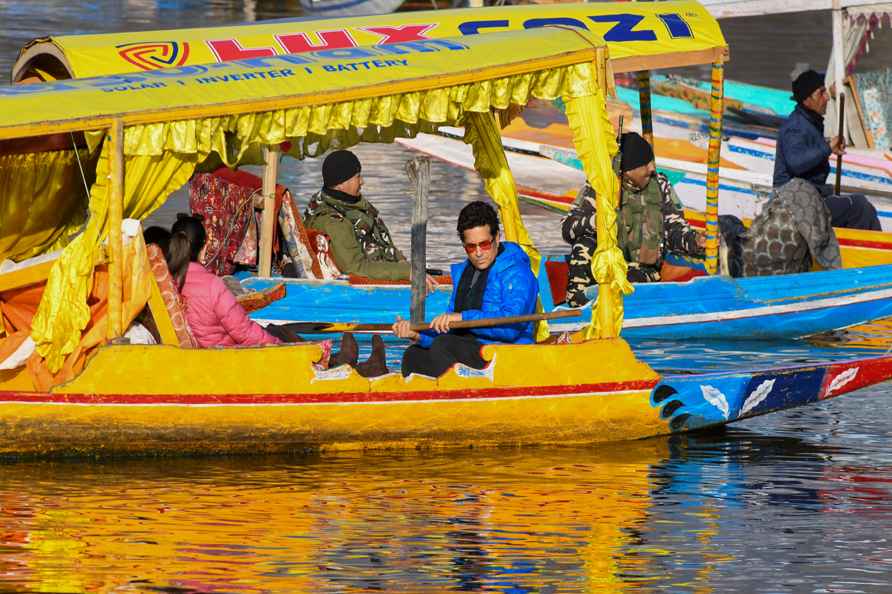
(171, 297)
(323, 264)
(297, 241)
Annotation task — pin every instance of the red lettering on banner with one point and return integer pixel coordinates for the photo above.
(298, 43)
(400, 34)
(230, 49)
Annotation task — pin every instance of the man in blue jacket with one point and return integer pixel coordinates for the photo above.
(803, 152)
(495, 281)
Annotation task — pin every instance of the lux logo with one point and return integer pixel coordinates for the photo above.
(297, 43)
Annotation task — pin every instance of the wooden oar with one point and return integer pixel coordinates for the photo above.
(327, 327)
(842, 113)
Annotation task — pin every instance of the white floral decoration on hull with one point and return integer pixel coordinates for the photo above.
(715, 397)
(759, 394)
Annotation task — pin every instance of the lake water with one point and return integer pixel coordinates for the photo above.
(793, 502)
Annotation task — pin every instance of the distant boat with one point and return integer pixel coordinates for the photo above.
(348, 8)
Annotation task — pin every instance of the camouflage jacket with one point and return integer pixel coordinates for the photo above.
(360, 241)
(646, 234)
(793, 229)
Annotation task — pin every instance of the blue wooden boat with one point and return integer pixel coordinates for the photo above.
(714, 307)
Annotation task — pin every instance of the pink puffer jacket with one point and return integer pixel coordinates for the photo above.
(215, 317)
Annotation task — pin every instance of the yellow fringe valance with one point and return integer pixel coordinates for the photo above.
(315, 129)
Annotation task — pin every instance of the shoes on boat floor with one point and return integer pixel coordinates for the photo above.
(349, 353)
(376, 364)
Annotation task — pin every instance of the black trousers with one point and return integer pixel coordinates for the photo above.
(446, 351)
(284, 332)
(852, 211)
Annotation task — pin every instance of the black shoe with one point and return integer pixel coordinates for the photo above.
(349, 353)
(376, 364)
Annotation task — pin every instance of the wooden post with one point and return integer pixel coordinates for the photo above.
(716, 108)
(268, 226)
(419, 171)
(115, 139)
(841, 106)
(647, 122)
(839, 67)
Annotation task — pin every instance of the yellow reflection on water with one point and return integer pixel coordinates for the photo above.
(423, 522)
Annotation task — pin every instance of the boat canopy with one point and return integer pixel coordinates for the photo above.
(640, 36)
(391, 89)
(151, 130)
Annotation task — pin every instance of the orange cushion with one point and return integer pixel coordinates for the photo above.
(259, 299)
(170, 296)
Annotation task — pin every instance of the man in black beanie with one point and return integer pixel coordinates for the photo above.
(650, 223)
(360, 242)
(803, 152)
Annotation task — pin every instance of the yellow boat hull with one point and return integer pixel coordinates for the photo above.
(158, 399)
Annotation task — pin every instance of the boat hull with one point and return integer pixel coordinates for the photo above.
(159, 399)
(717, 307)
(231, 408)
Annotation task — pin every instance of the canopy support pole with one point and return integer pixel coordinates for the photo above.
(838, 65)
(268, 225)
(114, 329)
(716, 109)
(419, 171)
(647, 121)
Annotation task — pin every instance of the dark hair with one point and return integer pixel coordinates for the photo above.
(157, 235)
(186, 240)
(477, 214)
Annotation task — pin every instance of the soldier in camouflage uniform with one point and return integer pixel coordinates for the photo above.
(360, 241)
(650, 221)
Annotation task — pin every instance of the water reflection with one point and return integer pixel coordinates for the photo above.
(687, 515)
(517, 520)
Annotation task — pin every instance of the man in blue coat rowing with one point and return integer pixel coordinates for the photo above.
(803, 152)
(495, 281)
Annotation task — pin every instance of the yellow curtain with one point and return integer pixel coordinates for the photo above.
(43, 197)
(482, 133)
(63, 312)
(592, 133)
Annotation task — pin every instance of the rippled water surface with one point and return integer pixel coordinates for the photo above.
(792, 502)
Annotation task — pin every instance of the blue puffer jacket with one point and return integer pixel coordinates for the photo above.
(511, 290)
(801, 149)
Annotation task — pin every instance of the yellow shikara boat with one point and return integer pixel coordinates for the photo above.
(69, 384)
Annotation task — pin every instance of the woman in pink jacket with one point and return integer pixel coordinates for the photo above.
(213, 314)
(217, 319)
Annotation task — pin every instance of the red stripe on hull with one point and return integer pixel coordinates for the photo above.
(560, 198)
(877, 245)
(848, 377)
(346, 397)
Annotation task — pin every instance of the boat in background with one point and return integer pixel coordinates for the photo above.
(553, 185)
(348, 8)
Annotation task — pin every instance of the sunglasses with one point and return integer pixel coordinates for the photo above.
(484, 246)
